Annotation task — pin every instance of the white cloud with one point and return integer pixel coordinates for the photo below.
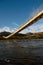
(6, 28)
(16, 24)
(33, 28)
(24, 31)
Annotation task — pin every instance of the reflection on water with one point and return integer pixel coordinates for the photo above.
(19, 50)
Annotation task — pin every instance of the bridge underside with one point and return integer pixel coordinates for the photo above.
(30, 22)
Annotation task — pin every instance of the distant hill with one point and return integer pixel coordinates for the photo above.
(18, 35)
(4, 33)
(38, 35)
(28, 35)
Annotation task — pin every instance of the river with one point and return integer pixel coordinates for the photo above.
(22, 50)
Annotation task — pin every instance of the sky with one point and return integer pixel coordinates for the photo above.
(14, 13)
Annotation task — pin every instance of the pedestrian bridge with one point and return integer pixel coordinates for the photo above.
(28, 23)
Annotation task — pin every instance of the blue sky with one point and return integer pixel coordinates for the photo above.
(14, 13)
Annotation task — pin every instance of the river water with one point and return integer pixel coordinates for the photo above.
(20, 50)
